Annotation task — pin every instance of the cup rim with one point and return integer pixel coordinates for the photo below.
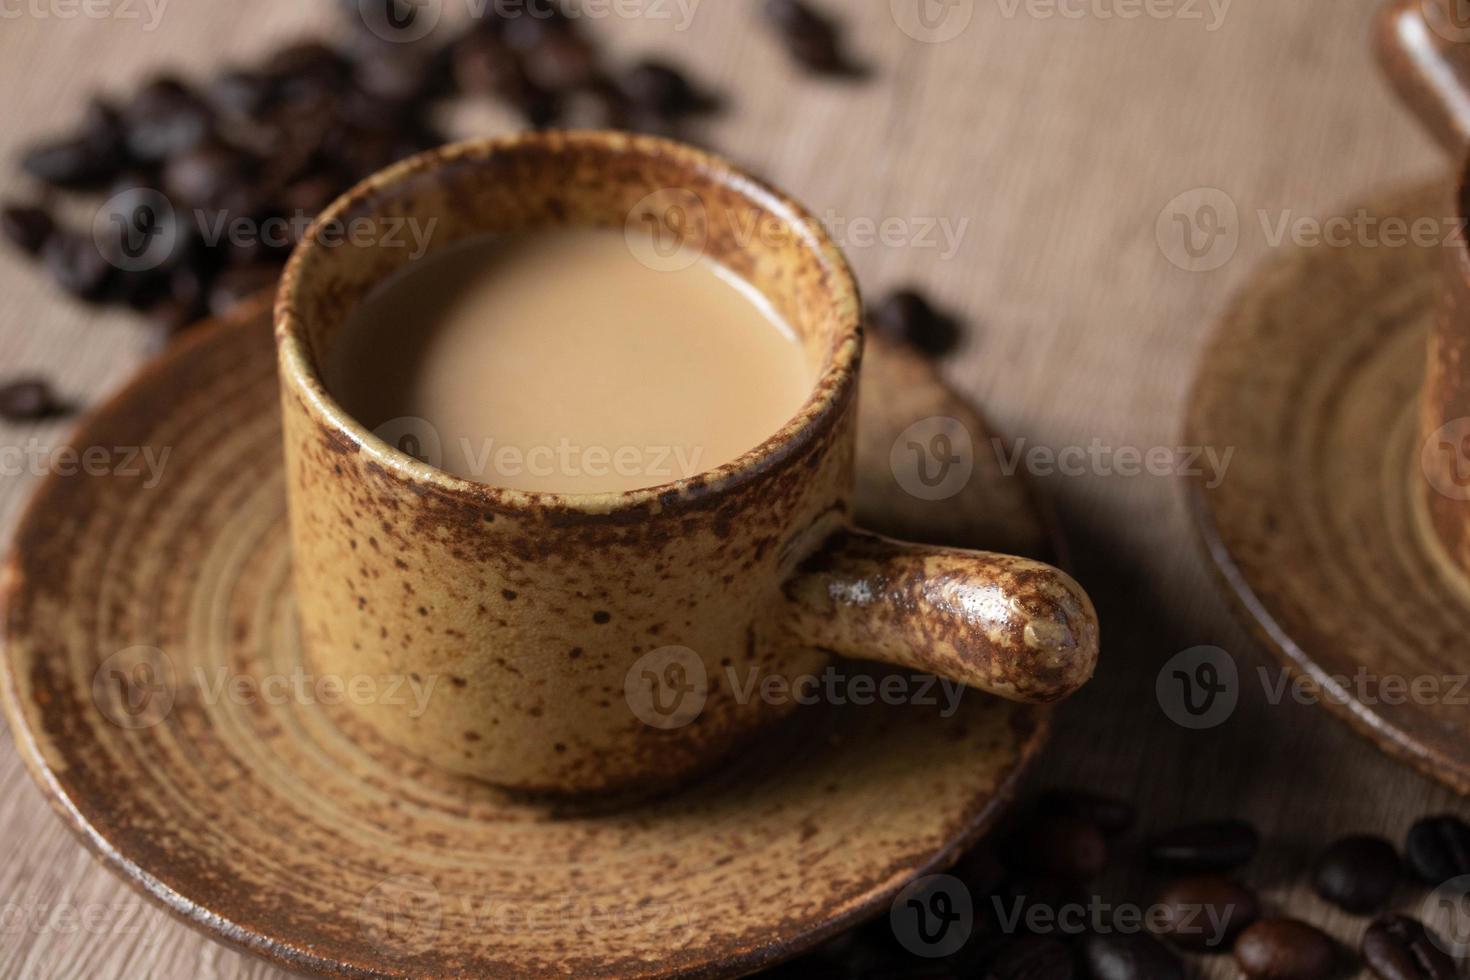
(831, 390)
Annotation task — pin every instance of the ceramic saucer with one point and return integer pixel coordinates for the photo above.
(1314, 380)
(221, 781)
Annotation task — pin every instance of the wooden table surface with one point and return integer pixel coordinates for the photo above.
(1047, 138)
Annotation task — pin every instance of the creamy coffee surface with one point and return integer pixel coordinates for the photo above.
(559, 362)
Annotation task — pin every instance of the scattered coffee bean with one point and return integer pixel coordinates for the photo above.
(1065, 846)
(1130, 956)
(981, 871)
(812, 38)
(1112, 816)
(70, 162)
(239, 92)
(1397, 947)
(27, 227)
(1439, 849)
(1033, 958)
(1285, 949)
(205, 175)
(663, 90)
(1205, 913)
(908, 317)
(76, 264)
(164, 118)
(1220, 846)
(27, 400)
(1358, 874)
(562, 61)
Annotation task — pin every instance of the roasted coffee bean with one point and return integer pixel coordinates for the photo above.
(164, 118)
(233, 286)
(400, 77)
(90, 158)
(27, 400)
(483, 65)
(206, 174)
(812, 38)
(76, 264)
(524, 26)
(307, 68)
(69, 162)
(27, 227)
(1111, 815)
(1358, 874)
(1219, 846)
(1397, 947)
(240, 93)
(102, 126)
(1130, 956)
(1439, 849)
(562, 61)
(1206, 912)
(661, 88)
(1068, 847)
(1285, 949)
(1033, 958)
(981, 871)
(908, 317)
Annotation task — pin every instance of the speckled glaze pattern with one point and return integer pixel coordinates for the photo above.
(1429, 65)
(534, 608)
(1315, 380)
(287, 828)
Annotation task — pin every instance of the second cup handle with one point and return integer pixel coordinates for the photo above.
(1425, 52)
(1009, 626)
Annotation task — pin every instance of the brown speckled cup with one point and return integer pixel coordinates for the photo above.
(594, 642)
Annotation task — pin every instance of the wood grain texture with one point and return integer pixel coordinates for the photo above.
(1059, 141)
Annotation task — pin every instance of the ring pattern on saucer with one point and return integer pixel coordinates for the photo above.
(156, 689)
(1314, 381)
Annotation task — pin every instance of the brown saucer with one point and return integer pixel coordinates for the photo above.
(1314, 378)
(251, 813)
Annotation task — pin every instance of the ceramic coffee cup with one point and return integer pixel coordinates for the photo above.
(1424, 47)
(587, 642)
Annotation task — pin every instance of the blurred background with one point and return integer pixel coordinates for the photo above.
(1081, 184)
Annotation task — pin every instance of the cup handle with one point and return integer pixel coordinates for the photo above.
(1009, 626)
(1425, 52)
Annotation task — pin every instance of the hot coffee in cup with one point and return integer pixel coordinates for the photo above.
(586, 626)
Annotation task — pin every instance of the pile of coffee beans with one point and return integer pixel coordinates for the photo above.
(270, 144)
(1028, 912)
(204, 187)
